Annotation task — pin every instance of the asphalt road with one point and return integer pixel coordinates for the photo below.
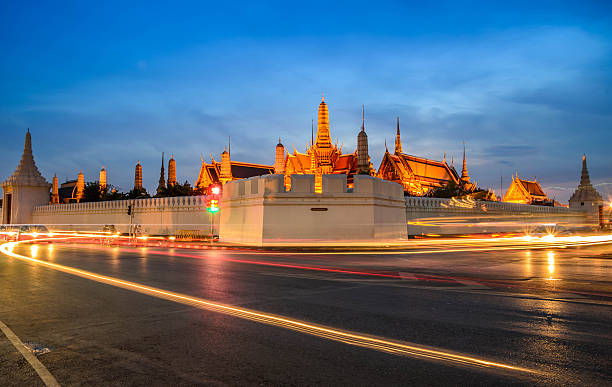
(546, 311)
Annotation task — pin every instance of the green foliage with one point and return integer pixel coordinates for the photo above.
(180, 190)
(137, 194)
(93, 193)
(448, 191)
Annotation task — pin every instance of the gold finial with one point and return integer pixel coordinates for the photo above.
(322, 97)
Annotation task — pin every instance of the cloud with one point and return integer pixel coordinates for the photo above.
(527, 99)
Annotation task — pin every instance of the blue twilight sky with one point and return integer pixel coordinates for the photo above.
(528, 86)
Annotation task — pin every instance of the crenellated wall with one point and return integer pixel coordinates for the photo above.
(157, 216)
(456, 216)
(258, 211)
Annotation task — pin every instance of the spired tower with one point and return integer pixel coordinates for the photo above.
(398, 139)
(585, 197)
(79, 188)
(55, 191)
(162, 176)
(465, 178)
(138, 176)
(171, 171)
(363, 157)
(24, 189)
(323, 143)
(102, 179)
(279, 160)
(226, 167)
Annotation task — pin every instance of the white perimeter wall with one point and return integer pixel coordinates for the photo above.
(452, 216)
(157, 216)
(258, 211)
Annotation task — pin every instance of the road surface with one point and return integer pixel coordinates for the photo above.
(414, 317)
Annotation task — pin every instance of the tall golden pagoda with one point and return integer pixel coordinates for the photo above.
(321, 157)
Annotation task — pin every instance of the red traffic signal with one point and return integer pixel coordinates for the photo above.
(213, 195)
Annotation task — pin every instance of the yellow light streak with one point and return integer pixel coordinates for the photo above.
(551, 264)
(335, 334)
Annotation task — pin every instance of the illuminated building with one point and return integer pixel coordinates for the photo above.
(102, 180)
(585, 197)
(226, 167)
(55, 191)
(322, 157)
(228, 170)
(162, 177)
(80, 187)
(279, 159)
(138, 176)
(171, 171)
(419, 175)
(526, 192)
(364, 166)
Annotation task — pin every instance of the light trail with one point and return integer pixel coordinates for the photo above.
(546, 242)
(335, 334)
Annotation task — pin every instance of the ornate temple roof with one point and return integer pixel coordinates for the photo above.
(210, 173)
(323, 139)
(427, 168)
(585, 191)
(532, 188)
(27, 174)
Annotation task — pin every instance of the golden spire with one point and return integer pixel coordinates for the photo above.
(138, 176)
(323, 135)
(464, 173)
(398, 139)
(171, 171)
(102, 180)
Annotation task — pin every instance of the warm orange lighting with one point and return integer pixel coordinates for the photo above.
(215, 190)
(551, 264)
(548, 238)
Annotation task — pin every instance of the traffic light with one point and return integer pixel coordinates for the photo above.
(129, 212)
(213, 195)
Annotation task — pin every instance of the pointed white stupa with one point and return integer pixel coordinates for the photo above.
(24, 189)
(27, 173)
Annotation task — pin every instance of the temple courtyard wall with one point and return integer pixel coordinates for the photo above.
(456, 216)
(258, 211)
(156, 216)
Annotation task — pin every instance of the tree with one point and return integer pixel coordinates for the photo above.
(450, 190)
(137, 193)
(180, 190)
(92, 192)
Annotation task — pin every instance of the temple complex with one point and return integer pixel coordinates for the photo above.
(526, 192)
(419, 175)
(585, 197)
(322, 157)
